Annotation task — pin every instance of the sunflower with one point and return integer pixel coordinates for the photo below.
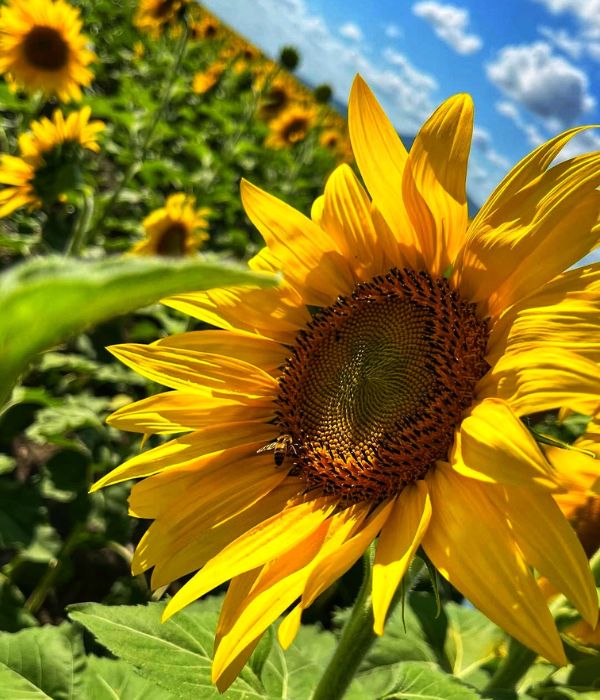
(175, 230)
(277, 96)
(207, 28)
(49, 160)
(378, 393)
(207, 79)
(153, 16)
(290, 127)
(42, 48)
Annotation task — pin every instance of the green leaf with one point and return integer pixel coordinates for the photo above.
(13, 616)
(418, 681)
(42, 662)
(111, 679)
(46, 301)
(175, 655)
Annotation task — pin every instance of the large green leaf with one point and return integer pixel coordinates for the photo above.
(42, 662)
(45, 301)
(110, 679)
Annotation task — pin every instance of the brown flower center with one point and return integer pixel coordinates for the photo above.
(164, 8)
(377, 384)
(172, 241)
(295, 130)
(45, 49)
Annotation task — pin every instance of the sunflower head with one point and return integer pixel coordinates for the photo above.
(42, 48)
(207, 79)
(175, 230)
(290, 127)
(208, 29)
(379, 392)
(154, 16)
(278, 96)
(50, 161)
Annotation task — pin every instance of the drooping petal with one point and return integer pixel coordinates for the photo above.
(195, 371)
(470, 543)
(563, 314)
(493, 445)
(540, 379)
(434, 182)
(381, 158)
(309, 258)
(180, 411)
(400, 538)
(523, 237)
(550, 544)
(276, 313)
(259, 545)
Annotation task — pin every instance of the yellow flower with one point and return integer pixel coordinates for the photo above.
(207, 79)
(153, 16)
(175, 230)
(207, 28)
(290, 127)
(49, 160)
(391, 370)
(277, 97)
(42, 48)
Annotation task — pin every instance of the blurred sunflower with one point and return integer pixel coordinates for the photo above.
(153, 16)
(175, 230)
(42, 48)
(207, 79)
(278, 96)
(290, 127)
(384, 379)
(207, 28)
(49, 160)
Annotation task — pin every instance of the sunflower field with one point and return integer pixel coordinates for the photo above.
(280, 416)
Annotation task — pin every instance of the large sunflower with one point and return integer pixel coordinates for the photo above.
(391, 369)
(42, 48)
(49, 160)
(175, 230)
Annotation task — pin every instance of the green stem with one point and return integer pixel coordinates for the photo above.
(512, 668)
(158, 115)
(357, 636)
(79, 237)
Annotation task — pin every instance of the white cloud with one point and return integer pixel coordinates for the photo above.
(351, 31)
(545, 84)
(587, 16)
(450, 24)
(418, 79)
(532, 133)
(392, 31)
(563, 41)
(482, 141)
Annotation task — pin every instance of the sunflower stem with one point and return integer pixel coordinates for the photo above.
(79, 237)
(158, 115)
(512, 668)
(357, 636)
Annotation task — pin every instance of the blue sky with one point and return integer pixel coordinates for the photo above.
(532, 66)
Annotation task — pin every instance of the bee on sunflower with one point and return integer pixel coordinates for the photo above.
(49, 161)
(291, 127)
(42, 48)
(175, 230)
(395, 363)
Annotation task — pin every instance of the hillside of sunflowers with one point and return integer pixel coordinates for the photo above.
(161, 371)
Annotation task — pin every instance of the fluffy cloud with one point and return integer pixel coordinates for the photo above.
(533, 134)
(450, 24)
(545, 84)
(587, 16)
(351, 31)
(482, 141)
(563, 41)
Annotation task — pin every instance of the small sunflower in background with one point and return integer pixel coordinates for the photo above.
(42, 48)
(290, 127)
(378, 394)
(153, 16)
(206, 29)
(279, 95)
(49, 161)
(338, 143)
(206, 80)
(175, 230)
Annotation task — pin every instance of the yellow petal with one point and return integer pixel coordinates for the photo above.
(493, 445)
(399, 540)
(565, 314)
(276, 313)
(190, 449)
(263, 543)
(195, 371)
(550, 544)
(526, 237)
(309, 258)
(180, 411)
(540, 379)
(381, 158)
(434, 182)
(471, 545)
